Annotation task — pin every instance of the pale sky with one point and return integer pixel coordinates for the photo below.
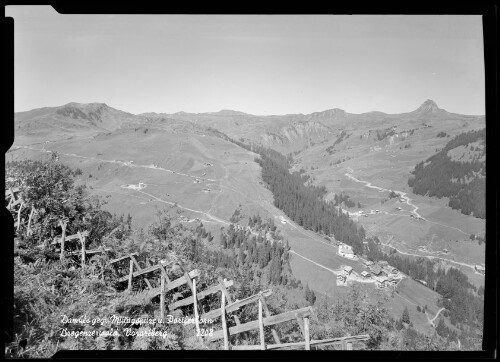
(259, 64)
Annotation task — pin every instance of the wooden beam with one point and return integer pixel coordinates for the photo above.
(236, 305)
(261, 327)
(162, 294)
(57, 240)
(306, 334)
(268, 321)
(63, 237)
(19, 216)
(224, 324)
(195, 305)
(82, 240)
(130, 275)
(298, 345)
(190, 300)
(139, 268)
(113, 261)
(173, 284)
(89, 252)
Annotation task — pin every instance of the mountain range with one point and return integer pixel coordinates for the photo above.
(288, 133)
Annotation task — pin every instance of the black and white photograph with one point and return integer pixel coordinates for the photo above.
(225, 182)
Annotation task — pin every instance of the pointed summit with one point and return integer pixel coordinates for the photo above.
(429, 106)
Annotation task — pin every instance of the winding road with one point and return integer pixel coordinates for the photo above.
(407, 201)
(415, 208)
(431, 321)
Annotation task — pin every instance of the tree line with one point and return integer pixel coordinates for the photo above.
(438, 176)
(303, 204)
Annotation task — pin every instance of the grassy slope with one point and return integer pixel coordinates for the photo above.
(238, 183)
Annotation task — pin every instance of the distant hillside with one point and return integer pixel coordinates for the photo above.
(458, 171)
(284, 133)
(72, 118)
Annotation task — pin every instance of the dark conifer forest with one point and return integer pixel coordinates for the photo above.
(463, 182)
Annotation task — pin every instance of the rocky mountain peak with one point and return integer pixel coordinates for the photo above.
(429, 106)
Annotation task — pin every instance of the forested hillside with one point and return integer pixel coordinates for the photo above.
(458, 171)
(303, 204)
(464, 303)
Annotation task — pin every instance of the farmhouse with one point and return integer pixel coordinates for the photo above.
(365, 274)
(381, 282)
(348, 269)
(389, 270)
(375, 269)
(346, 251)
(368, 263)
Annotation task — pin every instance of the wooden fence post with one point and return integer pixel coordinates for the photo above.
(19, 216)
(63, 238)
(82, 240)
(224, 325)
(103, 264)
(131, 272)
(306, 333)
(162, 295)
(261, 327)
(195, 305)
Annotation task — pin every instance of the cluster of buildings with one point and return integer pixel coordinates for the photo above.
(381, 272)
(384, 274)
